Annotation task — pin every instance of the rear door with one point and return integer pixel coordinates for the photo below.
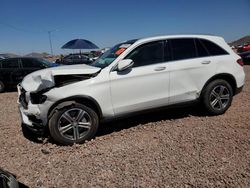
(10, 72)
(191, 67)
(144, 86)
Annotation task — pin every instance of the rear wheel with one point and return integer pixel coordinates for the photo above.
(73, 124)
(2, 87)
(217, 97)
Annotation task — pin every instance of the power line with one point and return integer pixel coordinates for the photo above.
(28, 31)
(20, 29)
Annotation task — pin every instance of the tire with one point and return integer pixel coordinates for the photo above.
(217, 97)
(7, 180)
(2, 87)
(73, 124)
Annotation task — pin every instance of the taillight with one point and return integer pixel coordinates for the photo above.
(240, 62)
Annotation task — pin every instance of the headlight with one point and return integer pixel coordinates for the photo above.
(37, 98)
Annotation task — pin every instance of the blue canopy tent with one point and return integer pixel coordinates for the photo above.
(79, 44)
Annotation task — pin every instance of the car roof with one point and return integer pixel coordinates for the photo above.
(162, 37)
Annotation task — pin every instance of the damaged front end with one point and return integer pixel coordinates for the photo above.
(33, 102)
(38, 97)
(49, 78)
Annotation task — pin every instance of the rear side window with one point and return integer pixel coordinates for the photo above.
(183, 48)
(30, 63)
(10, 63)
(148, 54)
(213, 48)
(201, 49)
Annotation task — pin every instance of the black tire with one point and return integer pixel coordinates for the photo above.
(2, 87)
(7, 180)
(58, 123)
(214, 101)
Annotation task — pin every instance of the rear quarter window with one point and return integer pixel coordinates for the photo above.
(213, 48)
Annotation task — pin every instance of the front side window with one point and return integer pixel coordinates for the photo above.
(147, 54)
(183, 48)
(10, 63)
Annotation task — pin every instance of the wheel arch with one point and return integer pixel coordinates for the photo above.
(223, 76)
(82, 99)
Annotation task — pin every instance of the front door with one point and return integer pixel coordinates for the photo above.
(146, 84)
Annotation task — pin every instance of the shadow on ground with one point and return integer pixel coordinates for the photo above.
(157, 115)
(128, 122)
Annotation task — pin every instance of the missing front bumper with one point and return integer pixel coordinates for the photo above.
(32, 123)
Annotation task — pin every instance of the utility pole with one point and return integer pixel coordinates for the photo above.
(51, 48)
(50, 41)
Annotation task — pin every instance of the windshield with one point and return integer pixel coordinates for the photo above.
(109, 56)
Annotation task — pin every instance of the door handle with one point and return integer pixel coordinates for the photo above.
(160, 68)
(205, 62)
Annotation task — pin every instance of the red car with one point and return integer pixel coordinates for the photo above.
(244, 48)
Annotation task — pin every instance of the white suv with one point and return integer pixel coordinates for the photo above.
(132, 76)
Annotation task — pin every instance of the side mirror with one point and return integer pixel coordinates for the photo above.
(125, 64)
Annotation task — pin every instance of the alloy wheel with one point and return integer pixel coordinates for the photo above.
(74, 124)
(219, 97)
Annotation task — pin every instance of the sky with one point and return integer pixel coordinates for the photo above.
(24, 24)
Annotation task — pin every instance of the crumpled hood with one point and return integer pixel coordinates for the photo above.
(44, 78)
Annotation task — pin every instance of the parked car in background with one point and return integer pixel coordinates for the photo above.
(133, 76)
(245, 57)
(244, 48)
(13, 70)
(73, 59)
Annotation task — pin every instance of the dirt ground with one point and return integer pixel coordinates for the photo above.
(171, 148)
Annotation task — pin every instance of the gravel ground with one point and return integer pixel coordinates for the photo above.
(171, 148)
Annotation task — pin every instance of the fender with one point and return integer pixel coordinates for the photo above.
(83, 99)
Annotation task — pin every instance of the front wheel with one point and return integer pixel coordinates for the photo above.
(217, 97)
(73, 124)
